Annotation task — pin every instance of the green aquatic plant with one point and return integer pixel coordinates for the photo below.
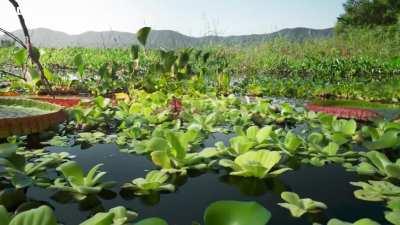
(90, 138)
(291, 143)
(298, 206)
(378, 163)
(385, 135)
(218, 213)
(389, 140)
(76, 182)
(338, 130)
(206, 123)
(115, 216)
(253, 137)
(364, 221)
(58, 141)
(152, 221)
(172, 151)
(393, 216)
(155, 181)
(42, 215)
(22, 173)
(98, 114)
(236, 213)
(259, 164)
(321, 150)
(376, 191)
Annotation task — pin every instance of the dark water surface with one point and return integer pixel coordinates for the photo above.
(329, 184)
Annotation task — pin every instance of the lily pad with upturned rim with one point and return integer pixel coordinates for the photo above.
(352, 109)
(23, 116)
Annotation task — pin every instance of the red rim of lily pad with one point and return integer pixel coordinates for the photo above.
(30, 124)
(344, 112)
(67, 102)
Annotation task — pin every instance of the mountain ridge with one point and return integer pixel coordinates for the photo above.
(169, 39)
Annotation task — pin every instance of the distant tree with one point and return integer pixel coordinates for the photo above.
(361, 13)
(6, 43)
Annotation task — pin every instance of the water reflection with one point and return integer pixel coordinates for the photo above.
(255, 187)
(148, 200)
(16, 200)
(91, 203)
(198, 189)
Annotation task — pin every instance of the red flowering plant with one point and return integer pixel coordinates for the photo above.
(175, 107)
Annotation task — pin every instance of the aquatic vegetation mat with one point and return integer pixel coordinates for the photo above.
(217, 160)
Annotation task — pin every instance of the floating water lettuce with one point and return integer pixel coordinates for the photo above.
(390, 139)
(252, 138)
(173, 155)
(358, 222)
(39, 216)
(258, 164)
(338, 131)
(79, 184)
(91, 138)
(115, 216)
(20, 171)
(376, 191)
(378, 163)
(154, 181)
(292, 142)
(298, 206)
(393, 216)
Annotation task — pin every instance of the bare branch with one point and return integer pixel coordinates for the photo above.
(7, 73)
(34, 58)
(12, 36)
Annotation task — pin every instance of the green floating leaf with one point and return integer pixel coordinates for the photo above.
(346, 127)
(292, 142)
(255, 164)
(6, 150)
(5, 217)
(389, 139)
(393, 217)
(39, 216)
(358, 222)
(152, 221)
(376, 191)
(298, 207)
(236, 213)
(115, 216)
(100, 219)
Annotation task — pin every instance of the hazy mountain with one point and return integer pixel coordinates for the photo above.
(42, 37)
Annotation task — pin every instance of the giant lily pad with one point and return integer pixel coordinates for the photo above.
(352, 109)
(23, 116)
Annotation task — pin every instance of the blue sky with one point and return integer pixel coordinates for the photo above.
(191, 17)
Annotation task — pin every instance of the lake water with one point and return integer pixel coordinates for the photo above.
(194, 193)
